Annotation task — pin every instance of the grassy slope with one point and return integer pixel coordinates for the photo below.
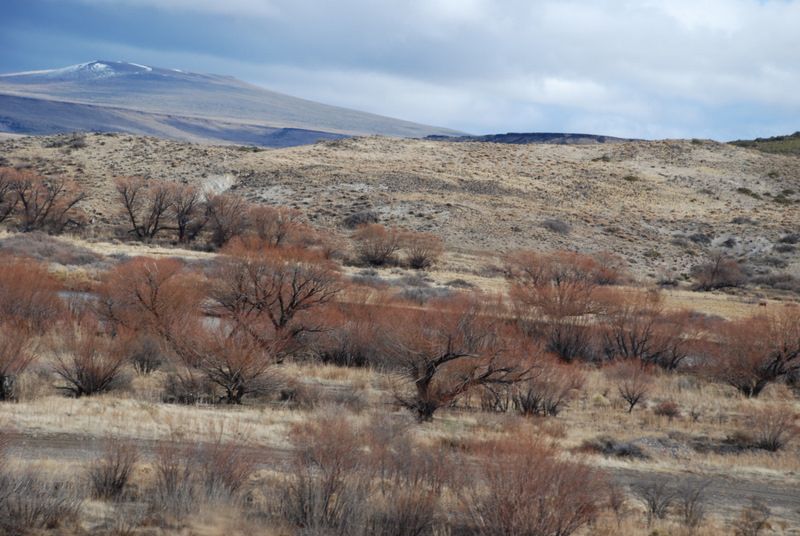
(777, 144)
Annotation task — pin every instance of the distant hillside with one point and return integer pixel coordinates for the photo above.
(777, 144)
(534, 137)
(107, 96)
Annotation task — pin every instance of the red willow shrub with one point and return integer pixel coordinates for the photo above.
(556, 297)
(449, 349)
(29, 295)
(751, 353)
(522, 488)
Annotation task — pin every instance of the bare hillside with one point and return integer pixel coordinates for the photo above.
(662, 205)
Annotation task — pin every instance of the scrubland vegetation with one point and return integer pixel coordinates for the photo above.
(281, 385)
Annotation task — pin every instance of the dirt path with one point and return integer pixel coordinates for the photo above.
(725, 495)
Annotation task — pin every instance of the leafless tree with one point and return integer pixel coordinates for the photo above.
(8, 197)
(188, 211)
(719, 271)
(750, 354)
(633, 383)
(266, 295)
(146, 204)
(46, 204)
(227, 217)
(447, 351)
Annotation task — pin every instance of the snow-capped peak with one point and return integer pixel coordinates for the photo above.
(94, 70)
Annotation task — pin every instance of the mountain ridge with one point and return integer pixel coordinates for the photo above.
(227, 105)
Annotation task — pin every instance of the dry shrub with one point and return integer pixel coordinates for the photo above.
(667, 408)
(691, 502)
(29, 295)
(44, 248)
(773, 427)
(277, 226)
(175, 491)
(229, 359)
(753, 519)
(144, 352)
(15, 357)
(422, 249)
(87, 362)
(109, 475)
(522, 488)
(556, 296)
(224, 468)
(720, 271)
(188, 387)
(376, 245)
(636, 326)
(338, 486)
(751, 353)
(633, 381)
(354, 334)
(547, 390)
(657, 497)
(29, 503)
(149, 297)
(324, 493)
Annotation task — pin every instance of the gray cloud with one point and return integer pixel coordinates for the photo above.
(717, 68)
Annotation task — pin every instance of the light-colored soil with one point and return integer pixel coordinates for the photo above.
(660, 205)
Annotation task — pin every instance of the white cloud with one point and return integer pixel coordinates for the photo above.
(639, 67)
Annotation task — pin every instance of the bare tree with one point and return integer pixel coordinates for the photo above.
(46, 204)
(8, 197)
(750, 354)
(720, 271)
(227, 217)
(188, 211)
(146, 204)
(267, 296)
(447, 351)
(633, 383)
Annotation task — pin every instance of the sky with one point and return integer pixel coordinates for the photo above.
(720, 69)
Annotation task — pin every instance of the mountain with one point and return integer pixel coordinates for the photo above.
(534, 137)
(115, 96)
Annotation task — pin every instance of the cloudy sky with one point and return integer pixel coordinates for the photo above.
(722, 69)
